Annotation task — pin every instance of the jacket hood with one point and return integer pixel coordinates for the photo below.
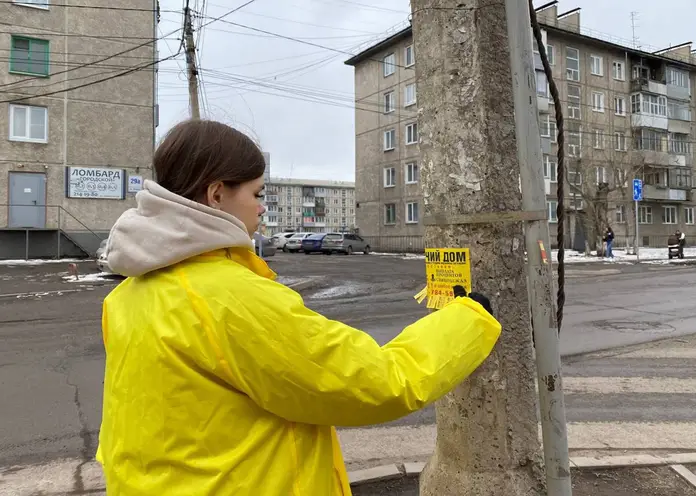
(165, 229)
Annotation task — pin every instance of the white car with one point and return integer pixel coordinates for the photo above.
(281, 240)
(294, 243)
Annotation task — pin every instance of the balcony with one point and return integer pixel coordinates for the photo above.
(308, 203)
(648, 85)
(271, 198)
(663, 193)
(543, 104)
(679, 126)
(649, 120)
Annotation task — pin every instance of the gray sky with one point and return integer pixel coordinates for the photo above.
(296, 99)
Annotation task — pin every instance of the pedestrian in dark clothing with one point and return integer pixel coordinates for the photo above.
(609, 239)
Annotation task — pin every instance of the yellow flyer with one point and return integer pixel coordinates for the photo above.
(445, 268)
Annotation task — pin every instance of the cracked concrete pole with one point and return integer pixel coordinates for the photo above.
(487, 438)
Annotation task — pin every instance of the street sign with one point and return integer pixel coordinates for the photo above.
(637, 190)
(445, 268)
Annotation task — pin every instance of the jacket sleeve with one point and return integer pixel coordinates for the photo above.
(306, 368)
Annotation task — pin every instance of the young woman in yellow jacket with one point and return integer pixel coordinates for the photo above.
(220, 381)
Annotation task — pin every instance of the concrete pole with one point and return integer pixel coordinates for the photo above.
(487, 439)
(191, 69)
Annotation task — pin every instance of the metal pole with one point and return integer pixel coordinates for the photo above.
(59, 233)
(637, 242)
(539, 273)
(26, 244)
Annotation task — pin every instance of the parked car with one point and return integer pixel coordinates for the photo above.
(294, 244)
(281, 240)
(344, 243)
(313, 243)
(269, 247)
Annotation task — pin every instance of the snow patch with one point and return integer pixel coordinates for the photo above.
(646, 254)
(403, 256)
(41, 261)
(350, 289)
(101, 276)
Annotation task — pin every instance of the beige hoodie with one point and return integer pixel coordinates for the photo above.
(165, 229)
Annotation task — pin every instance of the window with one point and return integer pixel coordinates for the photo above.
(547, 127)
(689, 215)
(412, 173)
(620, 178)
(619, 105)
(551, 54)
(389, 177)
(34, 3)
(410, 94)
(542, 84)
(389, 63)
(412, 133)
(669, 215)
(620, 142)
(550, 168)
(389, 102)
(650, 140)
(574, 101)
(576, 203)
(551, 206)
(574, 178)
(390, 213)
(678, 110)
(28, 123)
(645, 215)
(601, 175)
(408, 56)
(676, 77)
(389, 140)
(620, 216)
(678, 143)
(619, 71)
(649, 104)
(596, 65)
(597, 101)
(572, 64)
(574, 144)
(29, 56)
(598, 139)
(412, 213)
(680, 178)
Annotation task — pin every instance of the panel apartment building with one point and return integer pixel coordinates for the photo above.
(76, 134)
(628, 114)
(305, 205)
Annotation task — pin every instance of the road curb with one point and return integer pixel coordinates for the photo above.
(404, 470)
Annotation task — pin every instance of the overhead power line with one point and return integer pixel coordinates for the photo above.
(96, 7)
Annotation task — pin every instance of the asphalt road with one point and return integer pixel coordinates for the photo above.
(51, 358)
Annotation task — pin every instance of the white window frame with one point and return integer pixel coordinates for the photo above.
(601, 176)
(597, 65)
(578, 178)
(45, 5)
(620, 214)
(620, 178)
(598, 101)
(575, 150)
(674, 219)
(689, 216)
(389, 102)
(551, 208)
(412, 133)
(26, 138)
(551, 54)
(550, 168)
(412, 173)
(542, 80)
(389, 64)
(574, 102)
(409, 50)
(620, 108)
(386, 215)
(676, 77)
(619, 140)
(409, 101)
(598, 139)
(390, 177)
(389, 139)
(572, 74)
(645, 215)
(619, 70)
(410, 210)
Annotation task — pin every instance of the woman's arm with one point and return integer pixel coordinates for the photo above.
(306, 368)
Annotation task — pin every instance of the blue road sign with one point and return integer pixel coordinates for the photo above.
(637, 190)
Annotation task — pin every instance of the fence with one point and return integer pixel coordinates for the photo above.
(396, 244)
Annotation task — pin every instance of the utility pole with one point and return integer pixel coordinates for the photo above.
(192, 71)
(471, 172)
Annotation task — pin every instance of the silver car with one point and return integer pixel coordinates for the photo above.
(344, 243)
(294, 244)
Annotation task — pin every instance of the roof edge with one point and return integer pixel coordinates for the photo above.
(379, 46)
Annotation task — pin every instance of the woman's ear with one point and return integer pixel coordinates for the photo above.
(214, 195)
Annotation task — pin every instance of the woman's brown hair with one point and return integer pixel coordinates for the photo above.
(197, 153)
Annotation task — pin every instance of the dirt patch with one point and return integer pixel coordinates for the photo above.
(649, 481)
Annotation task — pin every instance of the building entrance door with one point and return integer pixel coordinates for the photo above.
(27, 200)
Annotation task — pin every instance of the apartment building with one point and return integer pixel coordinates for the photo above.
(76, 132)
(306, 205)
(628, 114)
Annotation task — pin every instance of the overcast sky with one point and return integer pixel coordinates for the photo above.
(296, 99)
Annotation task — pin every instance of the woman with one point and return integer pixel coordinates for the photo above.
(218, 379)
(609, 238)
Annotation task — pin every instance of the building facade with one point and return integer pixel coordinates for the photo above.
(304, 205)
(77, 129)
(628, 114)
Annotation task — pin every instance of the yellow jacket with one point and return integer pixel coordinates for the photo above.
(219, 381)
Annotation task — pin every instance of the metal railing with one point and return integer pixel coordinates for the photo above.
(396, 244)
(56, 218)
